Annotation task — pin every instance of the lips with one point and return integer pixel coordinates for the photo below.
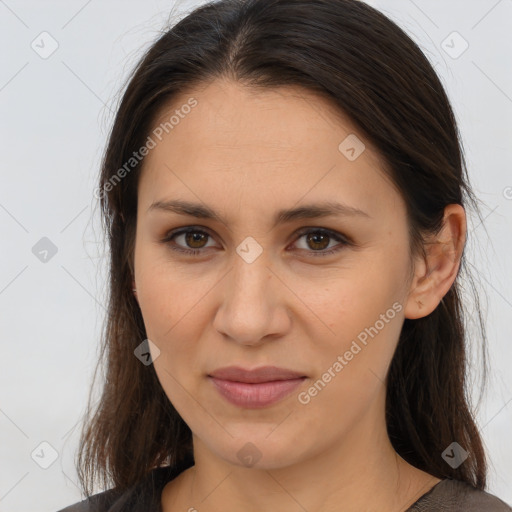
(262, 374)
(255, 388)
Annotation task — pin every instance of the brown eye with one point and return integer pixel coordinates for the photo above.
(194, 240)
(318, 239)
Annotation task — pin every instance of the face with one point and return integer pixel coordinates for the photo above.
(319, 294)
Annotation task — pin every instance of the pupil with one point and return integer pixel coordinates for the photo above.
(315, 237)
(196, 237)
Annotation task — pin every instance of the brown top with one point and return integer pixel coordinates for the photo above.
(447, 495)
(456, 496)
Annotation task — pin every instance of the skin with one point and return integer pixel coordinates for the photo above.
(247, 154)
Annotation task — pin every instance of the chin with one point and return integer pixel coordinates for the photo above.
(260, 447)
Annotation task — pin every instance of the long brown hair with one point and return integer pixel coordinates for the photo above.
(373, 73)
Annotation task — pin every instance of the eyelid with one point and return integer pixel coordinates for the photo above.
(171, 235)
(330, 232)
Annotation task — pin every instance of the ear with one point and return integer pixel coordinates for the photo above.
(435, 274)
(134, 289)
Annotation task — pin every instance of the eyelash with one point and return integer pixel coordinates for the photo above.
(195, 252)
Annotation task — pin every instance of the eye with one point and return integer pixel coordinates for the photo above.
(195, 240)
(318, 239)
(193, 236)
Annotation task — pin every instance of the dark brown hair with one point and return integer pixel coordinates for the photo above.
(374, 74)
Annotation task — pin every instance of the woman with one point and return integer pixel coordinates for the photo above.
(284, 195)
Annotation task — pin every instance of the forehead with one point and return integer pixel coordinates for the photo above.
(265, 147)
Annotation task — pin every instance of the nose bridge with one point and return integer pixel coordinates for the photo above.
(249, 300)
(250, 270)
(249, 281)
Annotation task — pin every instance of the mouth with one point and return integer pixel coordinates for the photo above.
(256, 388)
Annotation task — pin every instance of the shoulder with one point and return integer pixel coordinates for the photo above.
(456, 496)
(145, 496)
(100, 502)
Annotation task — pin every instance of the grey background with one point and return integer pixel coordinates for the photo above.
(55, 115)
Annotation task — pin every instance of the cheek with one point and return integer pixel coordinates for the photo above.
(350, 303)
(167, 294)
(363, 311)
(172, 320)
(352, 366)
(172, 304)
(177, 369)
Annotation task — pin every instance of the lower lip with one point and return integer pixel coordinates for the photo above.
(255, 395)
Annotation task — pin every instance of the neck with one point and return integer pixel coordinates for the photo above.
(362, 472)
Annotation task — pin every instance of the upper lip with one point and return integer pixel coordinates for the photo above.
(256, 375)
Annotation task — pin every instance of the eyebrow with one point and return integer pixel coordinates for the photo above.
(311, 211)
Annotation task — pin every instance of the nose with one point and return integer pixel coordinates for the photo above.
(253, 306)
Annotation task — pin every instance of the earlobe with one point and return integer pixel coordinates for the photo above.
(134, 290)
(419, 303)
(436, 274)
